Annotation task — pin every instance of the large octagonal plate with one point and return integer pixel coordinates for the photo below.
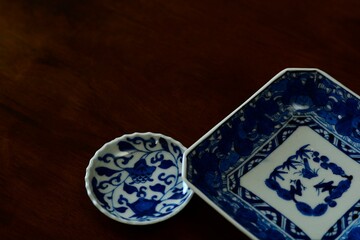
(286, 163)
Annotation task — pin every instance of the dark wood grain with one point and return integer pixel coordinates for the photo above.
(75, 74)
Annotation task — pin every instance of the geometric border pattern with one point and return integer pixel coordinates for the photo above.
(292, 93)
(268, 211)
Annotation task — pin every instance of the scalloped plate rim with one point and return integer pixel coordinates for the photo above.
(94, 200)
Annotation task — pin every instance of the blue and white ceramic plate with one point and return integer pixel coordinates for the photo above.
(286, 163)
(136, 178)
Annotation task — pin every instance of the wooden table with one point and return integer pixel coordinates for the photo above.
(76, 74)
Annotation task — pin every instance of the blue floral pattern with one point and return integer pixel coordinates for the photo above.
(305, 164)
(302, 94)
(140, 181)
(295, 172)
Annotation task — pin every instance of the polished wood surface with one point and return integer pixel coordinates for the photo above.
(76, 74)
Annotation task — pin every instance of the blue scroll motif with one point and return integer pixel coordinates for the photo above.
(135, 187)
(306, 163)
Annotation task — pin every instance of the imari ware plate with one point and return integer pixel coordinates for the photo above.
(286, 163)
(136, 178)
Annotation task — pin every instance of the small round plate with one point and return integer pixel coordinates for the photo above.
(136, 178)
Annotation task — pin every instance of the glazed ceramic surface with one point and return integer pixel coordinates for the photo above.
(286, 163)
(136, 179)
